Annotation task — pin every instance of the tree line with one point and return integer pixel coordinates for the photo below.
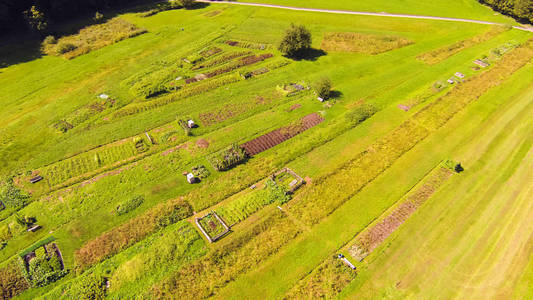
(521, 10)
(25, 15)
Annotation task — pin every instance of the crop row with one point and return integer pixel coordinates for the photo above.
(221, 60)
(64, 170)
(248, 45)
(245, 61)
(346, 181)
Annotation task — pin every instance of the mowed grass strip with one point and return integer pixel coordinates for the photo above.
(440, 54)
(312, 205)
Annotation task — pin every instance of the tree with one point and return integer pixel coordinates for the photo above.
(185, 3)
(296, 42)
(36, 19)
(523, 9)
(323, 88)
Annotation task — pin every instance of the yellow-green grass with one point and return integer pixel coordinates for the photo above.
(300, 257)
(453, 8)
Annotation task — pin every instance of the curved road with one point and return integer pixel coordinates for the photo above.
(362, 13)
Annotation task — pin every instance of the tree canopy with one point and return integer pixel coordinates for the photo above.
(296, 42)
(519, 9)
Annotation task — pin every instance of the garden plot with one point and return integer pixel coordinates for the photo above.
(288, 179)
(212, 226)
(373, 236)
(249, 202)
(362, 42)
(291, 89)
(90, 161)
(91, 38)
(43, 264)
(280, 135)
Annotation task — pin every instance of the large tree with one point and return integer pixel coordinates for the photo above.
(296, 42)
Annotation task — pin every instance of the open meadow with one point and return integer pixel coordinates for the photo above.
(178, 153)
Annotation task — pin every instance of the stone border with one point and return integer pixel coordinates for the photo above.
(300, 182)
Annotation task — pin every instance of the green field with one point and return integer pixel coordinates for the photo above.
(115, 201)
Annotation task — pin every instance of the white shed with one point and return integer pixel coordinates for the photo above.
(191, 178)
(190, 123)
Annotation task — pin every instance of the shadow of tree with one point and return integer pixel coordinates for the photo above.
(310, 55)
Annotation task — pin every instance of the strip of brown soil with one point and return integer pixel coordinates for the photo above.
(280, 135)
(375, 235)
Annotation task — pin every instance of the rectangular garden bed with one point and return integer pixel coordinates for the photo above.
(212, 226)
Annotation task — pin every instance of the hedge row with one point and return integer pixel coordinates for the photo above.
(136, 229)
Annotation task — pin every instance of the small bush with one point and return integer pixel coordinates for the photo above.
(11, 196)
(129, 205)
(12, 281)
(360, 114)
(63, 48)
(228, 158)
(200, 171)
(322, 88)
(98, 17)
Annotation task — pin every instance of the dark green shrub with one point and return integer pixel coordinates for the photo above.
(11, 196)
(63, 48)
(129, 205)
(228, 158)
(360, 114)
(200, 171)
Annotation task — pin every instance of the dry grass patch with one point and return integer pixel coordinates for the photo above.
(362, 43)
(92, 38)
(438, 55)
(327, 281)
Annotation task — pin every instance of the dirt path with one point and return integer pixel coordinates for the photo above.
(363, 13)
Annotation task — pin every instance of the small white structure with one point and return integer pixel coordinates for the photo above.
(191, 124)
(451, 81)
(190, 178)
(104, 96)
(460, 75)
(320, 99)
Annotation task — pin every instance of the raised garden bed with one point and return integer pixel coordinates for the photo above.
(290, 89)
(43, 264)
(288, 179)
(212, 226)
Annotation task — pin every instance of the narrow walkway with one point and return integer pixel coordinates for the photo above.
(362, 13)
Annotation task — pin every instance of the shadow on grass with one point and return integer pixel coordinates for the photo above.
(335, 94)
(19, 50)
(310, 55)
